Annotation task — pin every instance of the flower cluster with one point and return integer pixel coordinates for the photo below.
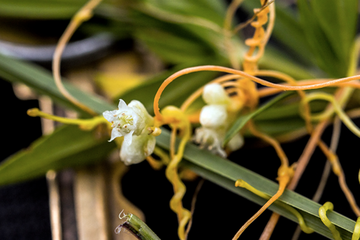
(215, 121)
(133, 123)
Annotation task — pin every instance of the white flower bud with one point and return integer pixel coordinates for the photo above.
(213, 116)
(138, 149)
(236, 142)
(214, 121)
(214, 93)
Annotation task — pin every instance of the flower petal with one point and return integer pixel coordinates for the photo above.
(214, 93)
(213, 116)
(150, 145)
(109, 115)
(144, 119)
(128, 137)
(141, 147)
(122, 105)
(141, 111)
(114, 134)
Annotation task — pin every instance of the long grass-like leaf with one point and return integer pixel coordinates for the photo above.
(42, 82)
(67, 147)
(224, 173)
(242, 120)
(329, 27)
(35, 9)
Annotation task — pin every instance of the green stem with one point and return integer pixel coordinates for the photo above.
(138, 228)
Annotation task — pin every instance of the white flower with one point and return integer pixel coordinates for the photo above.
(138, 149)
(128, 120)
(132, 122)
(213, 116)
(214, 93)
(210, 139)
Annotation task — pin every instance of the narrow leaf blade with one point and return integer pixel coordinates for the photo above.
(225, 173)
(41, 81)
(68, 146)
(242, 120)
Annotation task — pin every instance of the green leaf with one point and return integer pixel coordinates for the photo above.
(276, 60)
(320, 46)
(224, 173)
(42, 82)
(338, 21)
(330, 28)
(276, 127)
(242, 120)
(67, 147)
(187, 24)
(40, 9)
(178, 42)
(210, 10)
(172, 47)
(289, 32)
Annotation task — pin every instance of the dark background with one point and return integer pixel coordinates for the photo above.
(24, 209)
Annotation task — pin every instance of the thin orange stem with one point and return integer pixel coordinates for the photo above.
(231, 91)
(230, 13)
(270, 26)
(155, 164)
(193, 202)
(280, 191)
(275, 144)
(337, 169)
(292, 81)
(264, 92)
(195, 117)
(297, 233)
(244, 75)
(228, 33)
(231, 84)
(310, 146)
(333, 146)
(82, 15)
(354, 113)
(198, 92)
(260, 37)
(349, 195)
(242, 25)
(284, 177)
(308, 151)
